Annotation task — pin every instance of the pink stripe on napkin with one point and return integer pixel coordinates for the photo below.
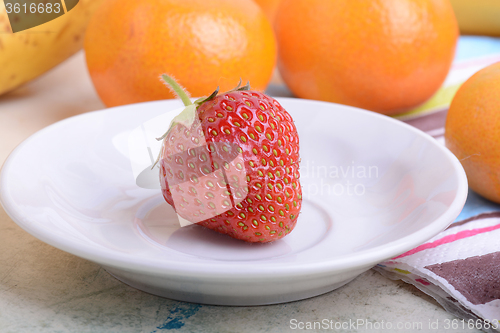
(449, 239)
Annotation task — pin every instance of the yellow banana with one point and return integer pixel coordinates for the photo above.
(27, 54)
(478, 17)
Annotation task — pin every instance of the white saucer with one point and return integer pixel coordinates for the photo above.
(373, 188)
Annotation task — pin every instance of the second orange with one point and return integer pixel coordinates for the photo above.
(383, 55)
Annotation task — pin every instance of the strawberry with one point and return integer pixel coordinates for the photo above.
(229, 162)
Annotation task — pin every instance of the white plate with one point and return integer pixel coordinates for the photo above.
(373, 188)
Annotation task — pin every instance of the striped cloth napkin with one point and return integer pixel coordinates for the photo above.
(460, 267)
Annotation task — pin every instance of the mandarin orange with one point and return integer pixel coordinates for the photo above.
(203, 44)
(472, 130)
(382, 55)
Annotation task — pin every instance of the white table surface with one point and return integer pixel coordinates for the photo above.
(43, 289)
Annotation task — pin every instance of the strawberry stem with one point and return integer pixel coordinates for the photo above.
(177, 89)
(188, 116)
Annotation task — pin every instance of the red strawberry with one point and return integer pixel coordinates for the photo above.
(230, 162)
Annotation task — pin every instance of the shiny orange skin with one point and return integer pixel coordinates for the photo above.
(203, 44)
(472, 130)
(383, 55)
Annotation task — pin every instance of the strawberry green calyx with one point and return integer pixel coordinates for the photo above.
(202, 100)
(188, 115)
(180, 92)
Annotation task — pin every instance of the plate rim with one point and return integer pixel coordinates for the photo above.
(364, 258)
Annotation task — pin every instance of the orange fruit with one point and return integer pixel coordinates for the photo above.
(472, 130)
(383, 55)
(203, 44)
(270, 7)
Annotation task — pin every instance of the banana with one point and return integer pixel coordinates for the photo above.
(478, 17)
(27, 54)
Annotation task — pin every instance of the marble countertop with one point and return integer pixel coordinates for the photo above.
(43, 289)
